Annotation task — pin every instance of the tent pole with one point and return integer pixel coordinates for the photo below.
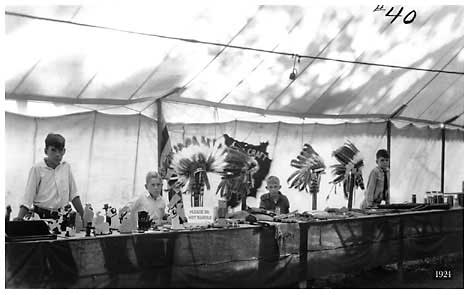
(443, 143)
(159, 113)
(388, 146)
(139, 126)
(36, 127)
(388, 137)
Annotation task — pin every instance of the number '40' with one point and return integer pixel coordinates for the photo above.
(407, 19)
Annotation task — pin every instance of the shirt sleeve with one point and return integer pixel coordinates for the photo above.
(73, 192)
(32, 186)
(135, 206)
(370, 188)
(387, 197)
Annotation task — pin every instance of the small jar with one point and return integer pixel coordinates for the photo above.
(414, 198)
(450, 200)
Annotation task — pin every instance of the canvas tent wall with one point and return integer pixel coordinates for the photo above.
(75, 63)
(110, 154)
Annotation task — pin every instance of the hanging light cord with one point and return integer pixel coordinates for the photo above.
(230, 46)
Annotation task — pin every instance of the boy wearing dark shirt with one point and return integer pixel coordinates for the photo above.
(274, 200)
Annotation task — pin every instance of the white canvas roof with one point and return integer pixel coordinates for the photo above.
(354, 63)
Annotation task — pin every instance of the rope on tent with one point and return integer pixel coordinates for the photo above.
(157, 67)
(374, 78)
(461, 99)
(228, 45)
(248, 22)
(25, 76)
(434, 77)
(453, 119)
(259, 63)
(438, 97)
(311, 62)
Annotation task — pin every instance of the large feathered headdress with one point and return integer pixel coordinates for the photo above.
(193, 160)
(237, 176)
(310, 167)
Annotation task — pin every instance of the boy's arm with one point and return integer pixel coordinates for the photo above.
(75, 198)
(21, 214)
(30, 192)
(288, 204)
(370, 188)
(78, 206)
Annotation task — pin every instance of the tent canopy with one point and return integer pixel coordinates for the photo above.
(353, 62)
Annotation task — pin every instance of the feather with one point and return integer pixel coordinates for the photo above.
(192, 161)
(350, 160)
(309, 163)
(237, 175)
(294, 174)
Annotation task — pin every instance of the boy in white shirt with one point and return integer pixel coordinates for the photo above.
(51, 185)
(153, 202)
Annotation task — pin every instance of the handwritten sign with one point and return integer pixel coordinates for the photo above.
(200, 215)
(409, 18)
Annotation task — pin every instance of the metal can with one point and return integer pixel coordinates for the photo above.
(440, 199)
(431, 200)
(461, 200)
(414, 198)
(450, 200)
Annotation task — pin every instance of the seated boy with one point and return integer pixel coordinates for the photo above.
(377, 188)
(152, 203)
(274, 200)
(51, 185)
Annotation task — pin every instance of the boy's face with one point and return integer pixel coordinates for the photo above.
(154, 186)
(54, 155)
(273, 187)
(383, 163)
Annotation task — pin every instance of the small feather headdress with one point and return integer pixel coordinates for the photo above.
(350, 161)
(310, 167)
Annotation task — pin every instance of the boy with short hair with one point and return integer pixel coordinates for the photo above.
(153, 202)
(274, 200)
(51, 185)
(377, 188)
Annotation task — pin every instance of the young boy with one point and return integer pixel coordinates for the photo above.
(51, 185)
(153, 202)
(274, 200)
(377, 188)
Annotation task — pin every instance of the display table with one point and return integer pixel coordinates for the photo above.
(248, 256)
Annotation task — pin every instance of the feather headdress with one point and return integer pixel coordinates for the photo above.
(237, 176)
(350, 161)
(310, 167)
(193, 160)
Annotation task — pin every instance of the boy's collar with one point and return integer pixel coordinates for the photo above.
(151, 197)
(44, 163)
